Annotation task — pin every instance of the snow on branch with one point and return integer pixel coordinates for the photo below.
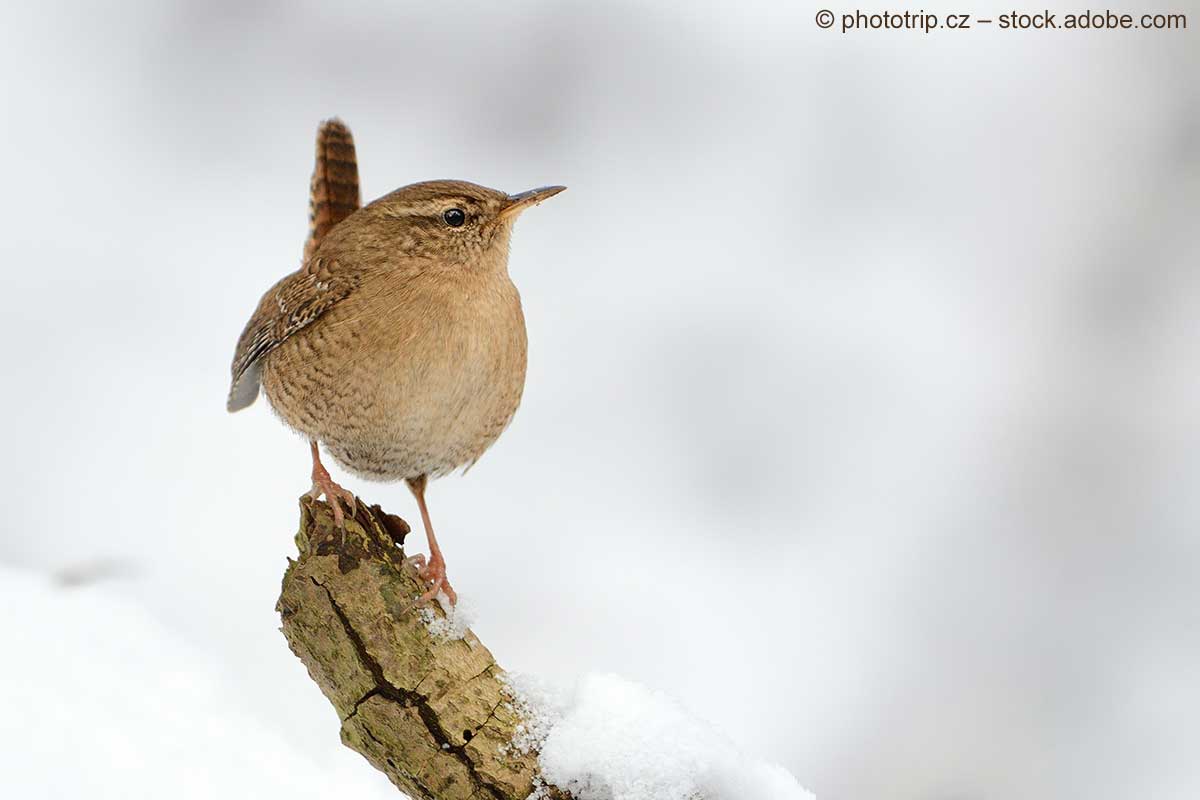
(422, 699)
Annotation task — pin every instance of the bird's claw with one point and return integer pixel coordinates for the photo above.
(335, 495)
(433, 573)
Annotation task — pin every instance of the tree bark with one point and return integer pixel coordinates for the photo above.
(432, 713)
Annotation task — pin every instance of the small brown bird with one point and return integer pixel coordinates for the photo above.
(400, 342)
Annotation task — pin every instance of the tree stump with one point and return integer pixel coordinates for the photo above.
(433, 713)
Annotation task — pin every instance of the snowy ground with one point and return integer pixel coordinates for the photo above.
(101, 701)
(862, 379)
(611, 739)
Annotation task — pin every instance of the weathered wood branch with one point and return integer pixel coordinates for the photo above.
(432, 713)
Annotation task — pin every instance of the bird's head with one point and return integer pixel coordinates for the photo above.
(454, 223)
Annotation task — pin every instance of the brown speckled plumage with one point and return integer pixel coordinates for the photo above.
(333, 193)
(417, 373)
(400, 343)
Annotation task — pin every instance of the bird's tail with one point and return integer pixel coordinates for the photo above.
(333, 193)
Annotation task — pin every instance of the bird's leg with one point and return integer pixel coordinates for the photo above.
(324, 485)
(433, 571)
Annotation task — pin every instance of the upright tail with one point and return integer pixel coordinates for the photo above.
(333, 193)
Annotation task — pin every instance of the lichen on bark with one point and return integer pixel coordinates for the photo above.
(431, 713)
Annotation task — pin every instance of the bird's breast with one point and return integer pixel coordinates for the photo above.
(413, 379)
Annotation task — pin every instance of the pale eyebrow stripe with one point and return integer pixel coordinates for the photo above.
(431, 206)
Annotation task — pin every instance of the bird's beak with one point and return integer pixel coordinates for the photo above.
(517, 203)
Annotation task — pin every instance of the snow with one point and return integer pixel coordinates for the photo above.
(102, 701)
(613, 739)
(447, 622)
(539, 705)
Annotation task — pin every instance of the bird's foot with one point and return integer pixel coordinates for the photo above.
(334, 494)
(433, 573)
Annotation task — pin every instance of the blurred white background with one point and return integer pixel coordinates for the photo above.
(862, 404)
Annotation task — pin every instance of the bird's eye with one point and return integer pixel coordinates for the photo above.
(454, 217)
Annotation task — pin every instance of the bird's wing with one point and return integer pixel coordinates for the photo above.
(298, 299)
(289, 306)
